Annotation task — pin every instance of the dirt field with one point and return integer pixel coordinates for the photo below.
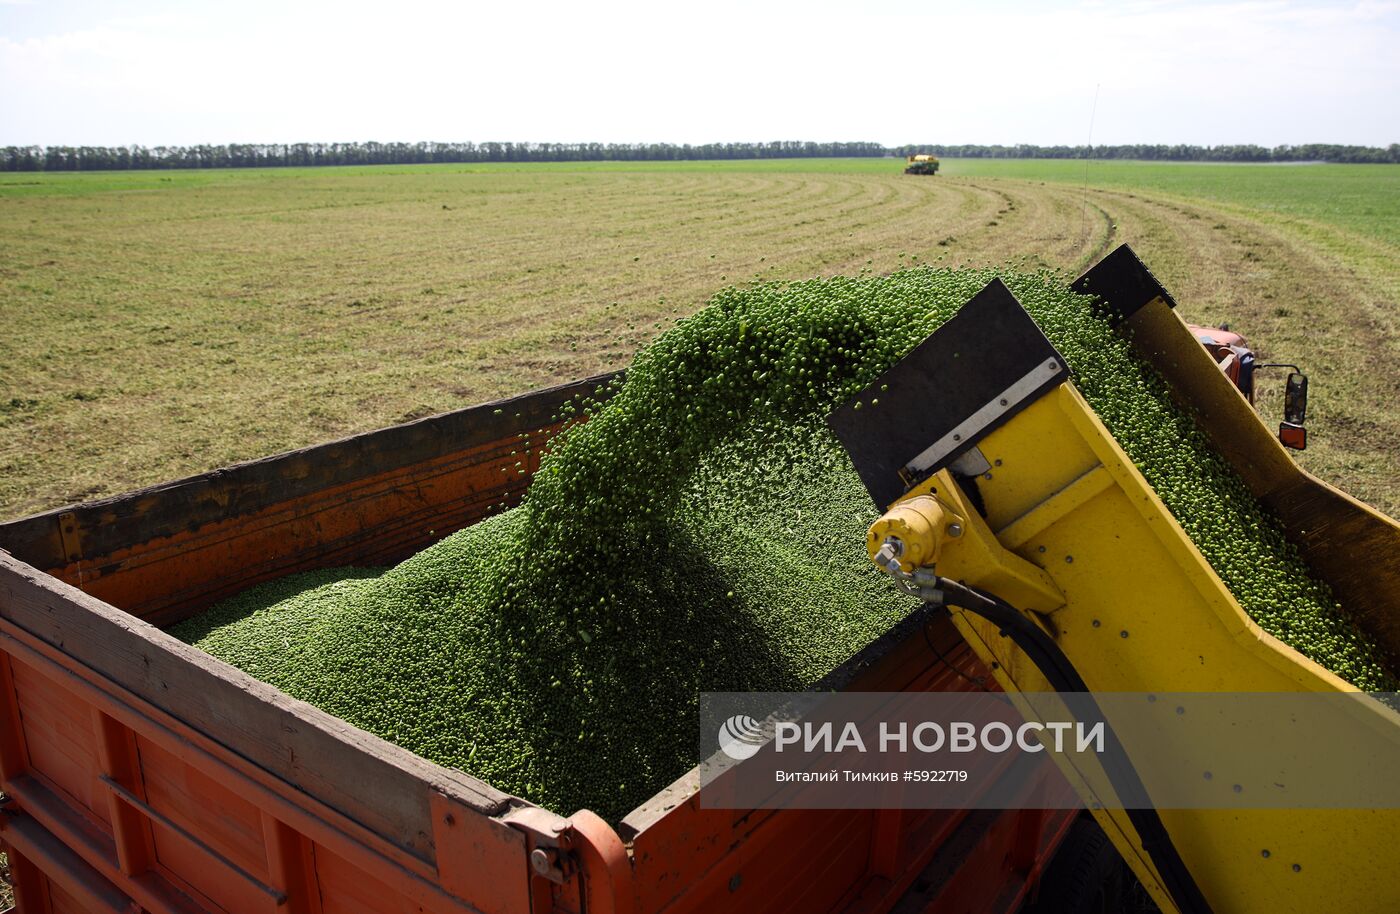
(158, 325)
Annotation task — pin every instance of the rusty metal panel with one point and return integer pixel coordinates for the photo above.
(480, 859)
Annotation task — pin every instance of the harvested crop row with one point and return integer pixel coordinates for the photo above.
(704, 531)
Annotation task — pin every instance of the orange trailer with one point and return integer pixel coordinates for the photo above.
(141, 774)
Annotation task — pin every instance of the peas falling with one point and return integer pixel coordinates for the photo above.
(705, 532)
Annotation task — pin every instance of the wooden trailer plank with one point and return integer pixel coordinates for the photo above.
(95, 848)
(318, 822)
(374, 520)
(14, 755)
(57, 729)
(196, 801)
(367, 778)
(292, 863)
(28, 882)
(49, 877)
(119, 763)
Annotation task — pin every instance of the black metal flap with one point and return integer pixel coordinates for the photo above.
(1123, 283)
(987, 363)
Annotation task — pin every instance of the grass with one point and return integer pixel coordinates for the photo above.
(1363, 198)
(1360, 198)
(161, 324)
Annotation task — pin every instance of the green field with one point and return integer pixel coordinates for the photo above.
(1361, 198)
(166, 323)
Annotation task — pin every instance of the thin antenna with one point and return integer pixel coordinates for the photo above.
(1089, 154)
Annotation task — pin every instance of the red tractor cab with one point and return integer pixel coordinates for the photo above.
(1232, 353)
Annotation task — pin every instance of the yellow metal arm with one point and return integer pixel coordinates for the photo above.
(1075, 537)
(1094, 578)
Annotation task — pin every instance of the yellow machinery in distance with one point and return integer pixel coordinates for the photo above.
(1066, 573)
(921, 165)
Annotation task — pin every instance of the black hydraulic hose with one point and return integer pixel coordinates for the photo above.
(1052, 662)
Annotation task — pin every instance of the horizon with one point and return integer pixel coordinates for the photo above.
(888, 147)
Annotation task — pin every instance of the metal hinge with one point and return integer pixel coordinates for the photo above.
(551, 855)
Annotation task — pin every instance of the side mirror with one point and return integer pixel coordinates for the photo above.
(1291, 433)
(1295, 398)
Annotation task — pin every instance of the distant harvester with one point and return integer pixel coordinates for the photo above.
(921, 165)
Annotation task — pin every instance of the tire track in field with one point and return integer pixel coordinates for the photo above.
(730, 213)
(616, 230)
(1023, 223)
(1079, 231)
(1058, 229)
(760, 222)
(798, 196)
(451, 288)
(927, 213)
(814, 240)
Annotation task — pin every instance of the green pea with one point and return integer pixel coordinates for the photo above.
(703, 531)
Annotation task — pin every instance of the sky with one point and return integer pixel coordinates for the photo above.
(153, 72)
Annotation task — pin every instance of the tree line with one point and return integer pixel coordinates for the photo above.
(1307, 152)
(262, 155)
